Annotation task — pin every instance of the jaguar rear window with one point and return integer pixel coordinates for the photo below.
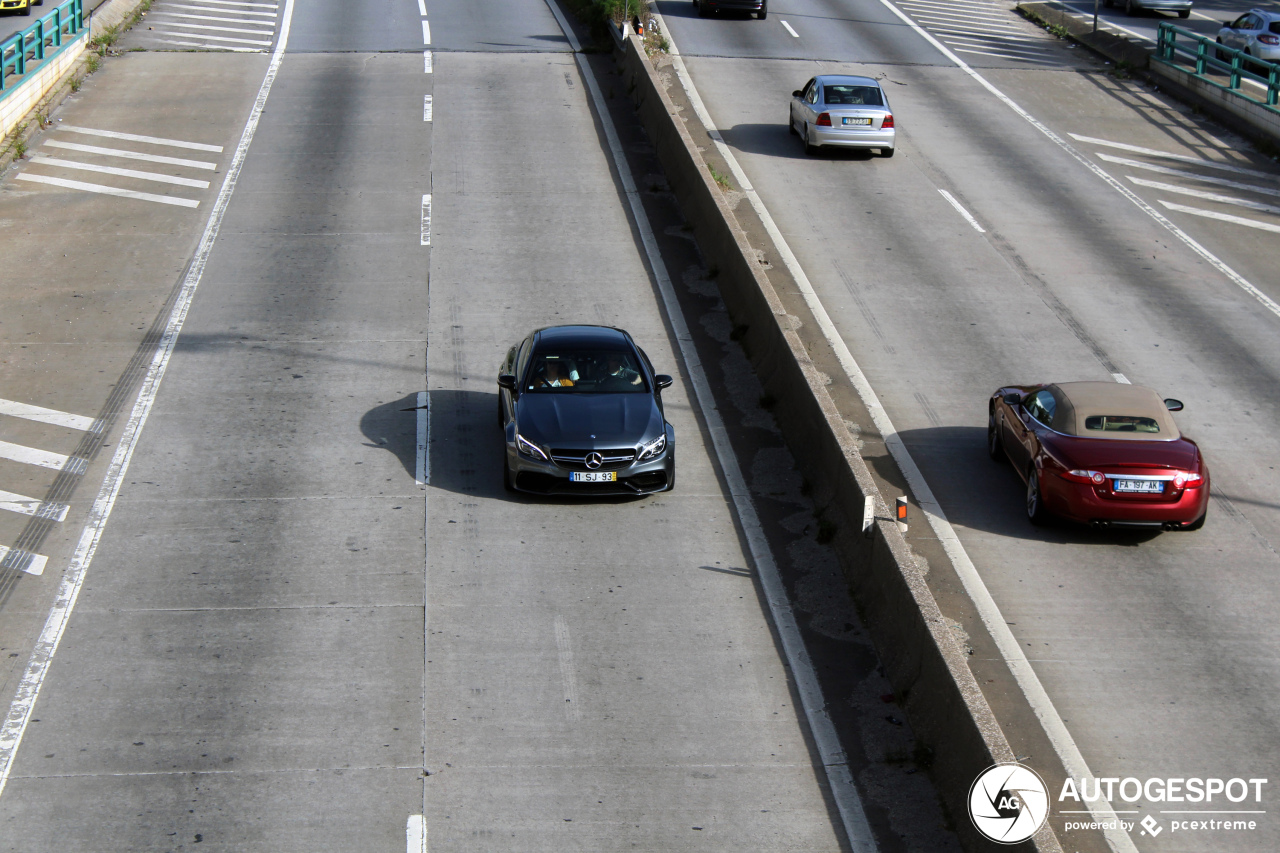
(1121, 423)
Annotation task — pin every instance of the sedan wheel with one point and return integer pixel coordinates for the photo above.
(702, 10)
(994, 448)
(1035, 500)
(764, 11)
(1198, 523)
(1129, 8)
(808, 148)
(791, 125)
(886, 152)
(1184, 13)
(1222, 54)
(506, 475)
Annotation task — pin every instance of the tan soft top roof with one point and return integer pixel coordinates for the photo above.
(1080, 400)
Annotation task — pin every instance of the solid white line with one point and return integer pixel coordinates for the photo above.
(30, 506)
(124, 173)
(46, 646)
(422, 464)
(208, 38)
(28, 412)
(1185, 158)
(207, 46)
(1123, 380)
(834, 760)
(130, 155)
(427, 66)
(133, 137)
(32, 456)
(270, 15)
(265, 31)
(568, 679)
(32, 564)
(415, 834)
(1182, 173)
(1222, 217)
(426, 219)
(788, 28)
(426, 108)
(100, 189)
(1218, 197)
(960, 209)
(422, 8)
(426, 32)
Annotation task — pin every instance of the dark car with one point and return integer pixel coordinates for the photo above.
(581, 409)
(1102, 453)
(760, 8)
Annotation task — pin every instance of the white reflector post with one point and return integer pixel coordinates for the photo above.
(868, 516)
(902, 514)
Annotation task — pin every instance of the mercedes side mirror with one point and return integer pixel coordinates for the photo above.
(662, 380)
(1172, 404)
(1013, 399)
(506, 380)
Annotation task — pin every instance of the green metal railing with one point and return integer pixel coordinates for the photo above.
(1179, 47)
(21, 53)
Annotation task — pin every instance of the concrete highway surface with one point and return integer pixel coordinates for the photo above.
(1158, 651)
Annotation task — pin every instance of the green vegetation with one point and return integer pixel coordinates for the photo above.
(597, 14)
(721, 180)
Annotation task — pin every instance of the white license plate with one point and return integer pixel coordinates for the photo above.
(593, 476)
(1150, 486)
(859, 122)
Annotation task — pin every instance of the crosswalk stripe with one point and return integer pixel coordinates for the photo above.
(124, 173)
(33, 456)
(133, 137)
(1222, 217)
(973, 42)
(972, 21)
(130, 155)
(1218, 197)
(206, 44)
(209, 38)
(32, 564)
(1036, 60)
(253, 5)
(104, 190)
(1182, 173)
(30, 506)
(1169, 155)
(46, 416)
(219, 11)
(216, 29)
(994, 41)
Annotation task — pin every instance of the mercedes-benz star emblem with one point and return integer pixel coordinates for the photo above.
(594, 460)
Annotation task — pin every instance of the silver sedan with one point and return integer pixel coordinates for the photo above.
(843, 112)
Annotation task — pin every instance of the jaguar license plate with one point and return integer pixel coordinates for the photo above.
(593, 476)
(1147, 486)
(857, 122)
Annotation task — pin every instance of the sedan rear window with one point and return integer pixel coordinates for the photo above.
(1275, 27)
(852, 95)
(1121, 423)
(586, 371)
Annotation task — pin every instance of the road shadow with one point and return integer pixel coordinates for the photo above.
(979, 493)
(775, 141)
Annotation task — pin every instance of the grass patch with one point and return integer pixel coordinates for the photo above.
(721, 180)
(599, 14)
(92, 63)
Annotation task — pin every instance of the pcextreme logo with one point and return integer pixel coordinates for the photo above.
(1008, 803)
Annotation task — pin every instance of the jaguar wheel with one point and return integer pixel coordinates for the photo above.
(1036, 513)
(994, 449)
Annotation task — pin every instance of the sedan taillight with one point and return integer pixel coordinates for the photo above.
(824, 120)
(888, 121)
(1097, 478)
(1269, 39)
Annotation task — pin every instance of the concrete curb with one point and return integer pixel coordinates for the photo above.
(920, 655)
(51, 85)
(1254, 121)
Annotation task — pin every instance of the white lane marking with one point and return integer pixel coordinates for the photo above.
(32, 564)
(129, 155)
(568, 680)
(33, 456)
(834, 761)
(426, 32)
(422, 466)
(1063, 743)
(971, 21)
(1121, 378)
(422, 8)
(46, 416)
(30, 506)
(1222, 217)
(250, 5)
(105, 190)
(133, 137)
(208, 38)
(223, 12)
(426, 219)
(1218, 197)
(961, 41)
(960, 209)
(1182, 173)
(213, 29)
(205, 44)
(1115, 836)
(1169, 155)
(46, 646)
(1005, 56)
(427, 65)
(788, 29)
(124, 173)
(426, 108)
(415, 834)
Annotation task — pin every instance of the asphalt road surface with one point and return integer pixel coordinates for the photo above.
(1157, 650)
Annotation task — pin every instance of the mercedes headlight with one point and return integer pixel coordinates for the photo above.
(653, 449)
(528, 448)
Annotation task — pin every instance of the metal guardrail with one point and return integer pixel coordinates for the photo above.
(1206, 56)
(25, 51)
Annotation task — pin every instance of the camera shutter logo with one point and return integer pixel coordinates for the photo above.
(1008, 803)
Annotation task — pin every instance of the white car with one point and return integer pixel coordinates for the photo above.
(843, 112)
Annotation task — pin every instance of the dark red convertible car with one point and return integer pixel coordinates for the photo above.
(1101, 453)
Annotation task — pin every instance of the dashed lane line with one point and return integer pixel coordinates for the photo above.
(124, 173)
(426, 108)
(101, 189)
(130, 155)
(788, 28)
(426, 32)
